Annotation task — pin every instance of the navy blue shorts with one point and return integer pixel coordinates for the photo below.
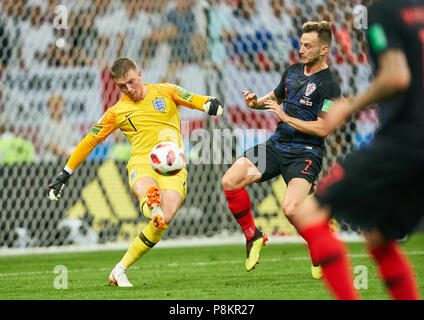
(295, 163)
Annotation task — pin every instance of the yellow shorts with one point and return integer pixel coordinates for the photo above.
(177, 182)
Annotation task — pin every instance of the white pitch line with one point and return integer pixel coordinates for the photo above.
(171, 265)
(166, 243)
(363, 255)
(193, 264)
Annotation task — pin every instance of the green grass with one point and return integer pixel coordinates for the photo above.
(193, 273)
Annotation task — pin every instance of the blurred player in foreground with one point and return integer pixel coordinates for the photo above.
(147, 114)
(296, 149)
(378, 188)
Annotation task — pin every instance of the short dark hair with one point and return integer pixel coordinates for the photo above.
(121, 67)
(323, 29)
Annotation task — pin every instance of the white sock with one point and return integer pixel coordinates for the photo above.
(119, 266)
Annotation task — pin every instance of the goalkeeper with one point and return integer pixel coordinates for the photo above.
(147, 114)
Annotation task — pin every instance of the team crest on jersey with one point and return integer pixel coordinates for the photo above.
(310, 88)
(159, 104)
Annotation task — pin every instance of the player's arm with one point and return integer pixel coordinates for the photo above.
(327, 92)
(392, 77)
(277, 95)
(209, 104)
(98, 133)
(393, 74)
(387, 43)
(253, 102)
(315, 128)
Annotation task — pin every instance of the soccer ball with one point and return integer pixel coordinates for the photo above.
(167, 159)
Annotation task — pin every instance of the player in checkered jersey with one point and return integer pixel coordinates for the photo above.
(296, 149)
(377, 188)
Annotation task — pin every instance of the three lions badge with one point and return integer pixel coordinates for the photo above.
(159, 104)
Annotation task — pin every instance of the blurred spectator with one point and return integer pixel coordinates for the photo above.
(187, 47)
(58, 138)
(156, 48)
(120, 152)
(361, 48)
(57, 57)
(187, 43)
(250, 39)
(84, 39)
(366, 124)
(132, 38)
(14, 149)
(134, 26)
(343, 37)
(38, 33)
(220, 29)
(333, 11)
(121, 148)
(5, 47)
(279, 23)
(105, 24)
(51, 7)
(298, 18)
(11, 16)
(115, 147)
(344, 69)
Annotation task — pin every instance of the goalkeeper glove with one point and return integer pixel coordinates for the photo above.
(214, 107)
(55, 188)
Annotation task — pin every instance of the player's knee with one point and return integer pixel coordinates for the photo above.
(228, 183)
(290, 209)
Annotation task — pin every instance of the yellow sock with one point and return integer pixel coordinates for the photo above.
(143, 243)
(144, 208)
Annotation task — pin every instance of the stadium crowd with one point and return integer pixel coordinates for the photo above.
(177, 41)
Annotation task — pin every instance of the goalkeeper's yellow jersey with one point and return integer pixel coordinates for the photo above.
(144, 123)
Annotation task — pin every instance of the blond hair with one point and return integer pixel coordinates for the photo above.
(121, 67)
(323, 29)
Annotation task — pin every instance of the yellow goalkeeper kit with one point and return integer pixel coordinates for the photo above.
(145, 123)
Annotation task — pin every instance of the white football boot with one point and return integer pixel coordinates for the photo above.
(118, 277)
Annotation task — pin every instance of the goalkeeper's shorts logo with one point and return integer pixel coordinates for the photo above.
(159, 104)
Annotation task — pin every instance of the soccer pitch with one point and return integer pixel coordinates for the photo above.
(189, 273)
